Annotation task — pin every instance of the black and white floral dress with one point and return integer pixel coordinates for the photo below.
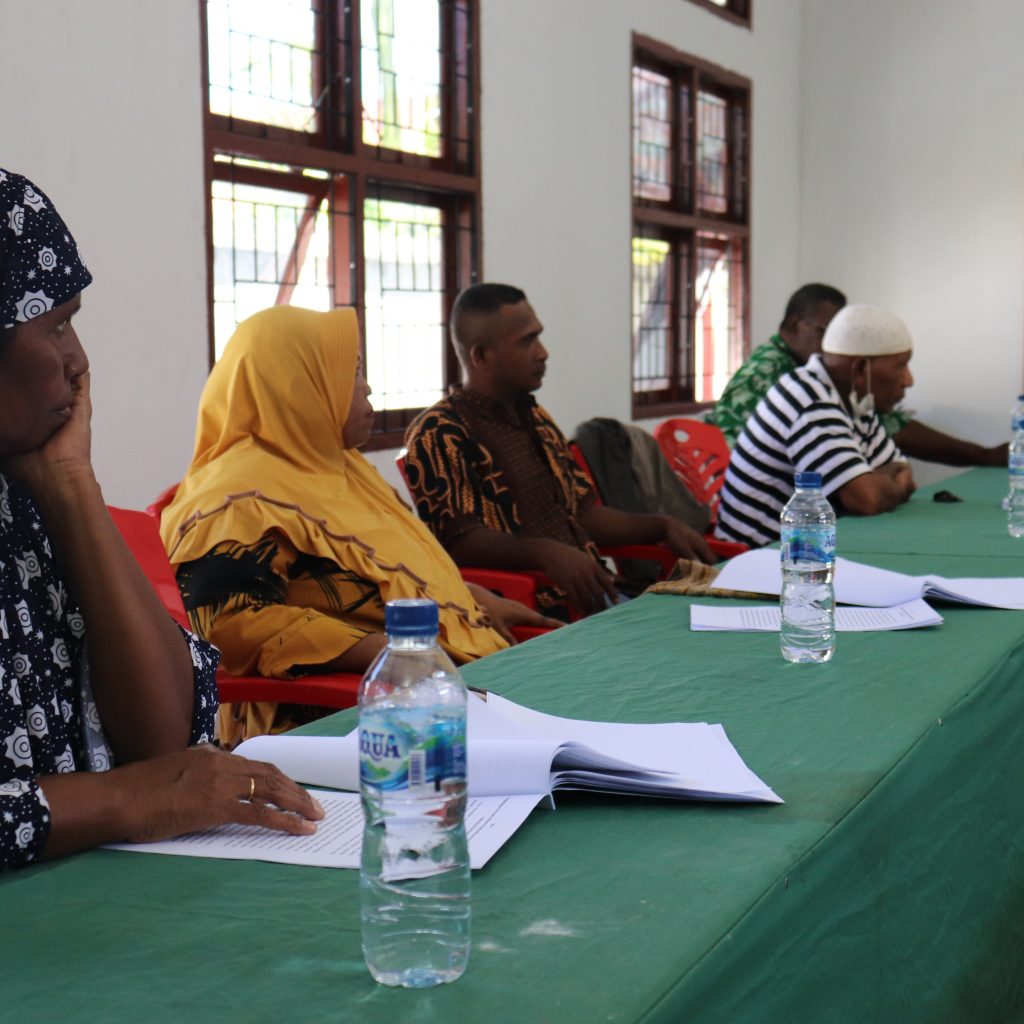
(49, 722)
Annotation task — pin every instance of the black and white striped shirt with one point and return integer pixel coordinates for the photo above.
(801, 425)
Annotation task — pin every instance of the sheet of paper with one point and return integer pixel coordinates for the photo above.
(859, 584)
(765, 618)
(490, 822)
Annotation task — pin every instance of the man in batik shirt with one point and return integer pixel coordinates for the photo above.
(493, 476)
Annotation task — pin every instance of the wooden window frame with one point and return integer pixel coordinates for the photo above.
(679, 221)
(451, 180)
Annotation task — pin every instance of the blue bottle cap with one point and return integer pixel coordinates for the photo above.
(807, 479)
(411, 616)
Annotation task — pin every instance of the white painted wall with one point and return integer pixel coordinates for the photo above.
(102, 108)
(913, 191)
(556, 167)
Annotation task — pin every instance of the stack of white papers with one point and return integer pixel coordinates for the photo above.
(765, 618)
(515, 751)
(515, 759)
(856, 583)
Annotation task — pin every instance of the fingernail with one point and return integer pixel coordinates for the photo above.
(319, 806)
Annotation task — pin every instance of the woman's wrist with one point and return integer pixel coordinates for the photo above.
(63, 489)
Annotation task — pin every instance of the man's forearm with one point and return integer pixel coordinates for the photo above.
(923, 442)
(492, 549)
(608, 527)
(878, 491)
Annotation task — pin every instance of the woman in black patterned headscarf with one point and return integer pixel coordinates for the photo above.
(100, 693)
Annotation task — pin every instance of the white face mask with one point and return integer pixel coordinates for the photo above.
(862, 407)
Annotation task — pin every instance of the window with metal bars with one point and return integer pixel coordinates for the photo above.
(691, 228)
(341, 142)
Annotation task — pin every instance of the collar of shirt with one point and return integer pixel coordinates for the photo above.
(864, 425)
(782, 348)
(482, 405)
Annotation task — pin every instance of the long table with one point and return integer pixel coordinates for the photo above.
(889, 887)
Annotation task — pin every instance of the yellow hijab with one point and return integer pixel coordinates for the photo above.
(269, 455)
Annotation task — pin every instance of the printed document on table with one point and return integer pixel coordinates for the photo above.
(490, 822)
(856, 583)
(765, 618)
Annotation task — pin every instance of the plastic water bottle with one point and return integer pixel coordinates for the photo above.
(808, 535)
(1015, 501)
(1017, 416)
(414, 874)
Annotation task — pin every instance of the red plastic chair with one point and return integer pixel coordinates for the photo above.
(140, 531)
(722, 548)
(698, 454)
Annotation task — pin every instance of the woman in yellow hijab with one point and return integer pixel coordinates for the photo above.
(288, 542)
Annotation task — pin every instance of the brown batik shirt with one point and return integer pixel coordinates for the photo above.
(472, 463)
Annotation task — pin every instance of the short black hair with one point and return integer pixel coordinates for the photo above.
(473, 302)
(804, 299)
(487, 298)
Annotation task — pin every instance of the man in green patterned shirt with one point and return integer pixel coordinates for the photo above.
(808, 313)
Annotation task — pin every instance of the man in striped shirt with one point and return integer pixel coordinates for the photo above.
(823, 417)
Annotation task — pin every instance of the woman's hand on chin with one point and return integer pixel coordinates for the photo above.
(65, 458)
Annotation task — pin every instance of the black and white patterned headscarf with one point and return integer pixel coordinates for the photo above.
(40, 266)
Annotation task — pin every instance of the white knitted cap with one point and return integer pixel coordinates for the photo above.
(866, 331)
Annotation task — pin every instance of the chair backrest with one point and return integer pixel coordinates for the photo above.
(163, 499)
(698, 454)
(141, 532)
(400, 463)
(581, 461)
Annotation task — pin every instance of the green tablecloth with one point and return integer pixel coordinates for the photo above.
(974, 526)
(889, 887)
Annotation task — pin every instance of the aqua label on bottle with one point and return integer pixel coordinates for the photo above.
(803, 544)
(393, 757)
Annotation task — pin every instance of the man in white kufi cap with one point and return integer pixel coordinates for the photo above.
(808, 313)
(823, 417)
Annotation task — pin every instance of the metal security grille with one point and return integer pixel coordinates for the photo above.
(690, 228)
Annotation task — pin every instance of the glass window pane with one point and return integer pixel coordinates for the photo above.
(652, 311)
(712, 153)
(405, 331)
(401, 75)
(652, 135)
(270, 246)
(262, 58)
(718, 324)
